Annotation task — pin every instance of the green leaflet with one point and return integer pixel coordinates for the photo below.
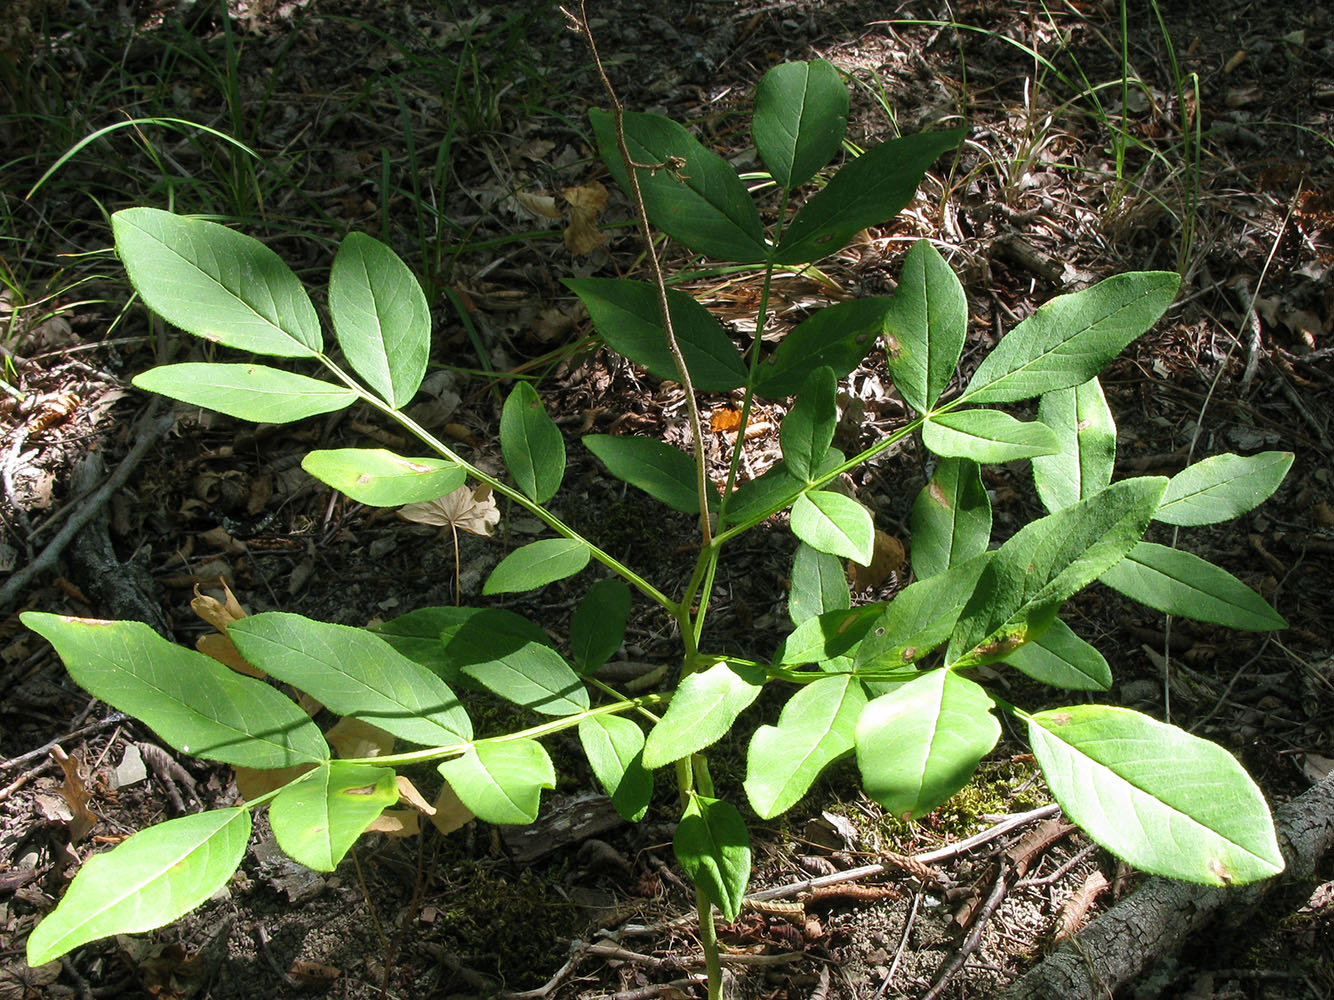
(1086, 433)
(801, 114)
(1044, 563)
(537, 564)
(663, 472)
(626, 316)
(531, 444)
(925, 327)
(701, 712)
(216, 283)
(815, 728)
(825, 636)
(1222, 487)
(190, 700)
(1180, 583)
(704, 205)
(380, 318)
(501, 782)
(146, 881)
(712, 844)
(598, 626)
(1062, 659)
(987, 436)
(768, 494)
(354, 672)
(919, 744)
(615, 750)
(865, 192)
(819, 584)
(838, 336)
(318, 817)
(835, 524)
(951, 518)
(1070, 338)
(808, 429)
(379, 478)
(1165, 801)
(256, 393)
(512, 658)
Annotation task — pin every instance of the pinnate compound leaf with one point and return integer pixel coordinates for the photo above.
(712, 845)
(191, 701)
(379, 478)
(920, 743)
(1222, 487)
(626, 315)
(317, 818)
(380, 318)
(1072, 337)
(1044, 563)
(1167, 802)
(598, 626)
(531, 444)
(1083, 425)
(354, 672)
(663, 472)
(148, 880)
(1180, 583)
(512, 658)
(987, 436)
(536, 564)
(815, 728)
(801, 115)
(921, 617)
(819, 584)
(704, 205)
(701, 712)
(839, 336)
(835, 524)
(925, 327)
(1062, 659)
(501, 782)
(615, 750)
(865, 192)
(808, 429)
(216, 283)
(256, 393)
(951, 518)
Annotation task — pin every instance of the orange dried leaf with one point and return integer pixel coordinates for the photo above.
(887, 557)
(724, 420)
(221, 649)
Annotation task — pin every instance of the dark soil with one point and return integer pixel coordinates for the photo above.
(417, 122)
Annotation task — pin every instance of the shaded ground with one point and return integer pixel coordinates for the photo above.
(419, 123)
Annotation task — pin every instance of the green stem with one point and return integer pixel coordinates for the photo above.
(537, 510)
(708, 939)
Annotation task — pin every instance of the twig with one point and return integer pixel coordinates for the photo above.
(972, 939)
(580, 22)
(46, 560)
(115, 718)
(903, 946)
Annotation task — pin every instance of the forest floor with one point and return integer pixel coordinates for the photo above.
(433, 126)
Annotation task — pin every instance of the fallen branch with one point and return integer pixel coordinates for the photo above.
(1156, 919)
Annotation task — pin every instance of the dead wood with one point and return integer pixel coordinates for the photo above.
(1156, 920)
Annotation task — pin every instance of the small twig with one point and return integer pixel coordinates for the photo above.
(114, 719)
(903, 947)
(580, 22)
(972, 939)
(262, 938)
(46, 560)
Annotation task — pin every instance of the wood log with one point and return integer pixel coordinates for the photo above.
(1156, 919)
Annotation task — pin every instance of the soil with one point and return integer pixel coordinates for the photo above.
(417, 122)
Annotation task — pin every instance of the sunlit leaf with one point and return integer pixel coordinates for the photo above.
(712, 845)
(501, 782)
(379, 478)
(256, 393)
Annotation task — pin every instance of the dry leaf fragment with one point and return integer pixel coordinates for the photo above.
(542, 205)
(396, 823)
(450, 812)
(407, 792)
(726, 419)
(354, 738)
(887, 557)
(252, 783)
(75, 794)
(471, 510)
(586, 202)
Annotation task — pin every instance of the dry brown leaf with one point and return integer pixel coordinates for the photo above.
(396, 823)
(887, 558)
(407, 792)
(724, 420)
(586, 202)
(75, 793)
(353, 738)
(251, 784)
(220, 648)
(313, 975)
(470, 510)
(542, 205)
(450, 812)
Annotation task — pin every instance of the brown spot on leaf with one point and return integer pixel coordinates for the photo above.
(360, 790)
(1219, 870)
(892, 346)
(938, 495)
(909, 654)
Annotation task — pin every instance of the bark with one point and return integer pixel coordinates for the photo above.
(1156, 919)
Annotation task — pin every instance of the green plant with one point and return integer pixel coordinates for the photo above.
(887, 682)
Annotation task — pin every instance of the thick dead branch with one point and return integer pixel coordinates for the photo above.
(1155, 920)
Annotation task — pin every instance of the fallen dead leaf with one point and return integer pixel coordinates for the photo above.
(354, 738)
(450, 812)
(586, 202)
(470, 510)
(887, 557)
